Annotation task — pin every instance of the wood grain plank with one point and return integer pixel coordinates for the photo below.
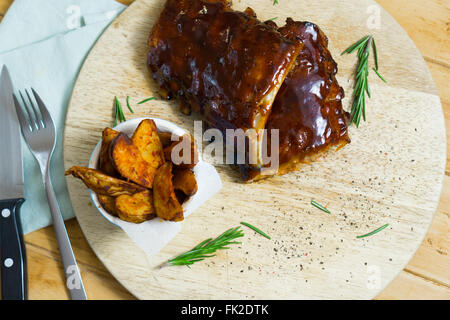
(4, 5)
(441, 77)
(426, 24)
(432, 259)
(435, 248)
(407, 286)
(43, 246)
(46, 279)
(45, 239)
(125, 2)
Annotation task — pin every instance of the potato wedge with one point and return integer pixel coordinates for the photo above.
(165, 138)
(146, 139)
(108, 203)
(103, 184)
(129, 162)
(181, 197)
(136, 208)
(105, 165)
(176, 149)
(184, 180)
(166, 204)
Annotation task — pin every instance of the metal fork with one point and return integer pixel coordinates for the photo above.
(40, 134)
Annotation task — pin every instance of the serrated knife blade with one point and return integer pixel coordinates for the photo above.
(11, 174)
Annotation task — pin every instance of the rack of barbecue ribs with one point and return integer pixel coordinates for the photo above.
(308, 108)
(224, 64)
(241, 73)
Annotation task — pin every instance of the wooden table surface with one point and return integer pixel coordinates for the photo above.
(427, 275)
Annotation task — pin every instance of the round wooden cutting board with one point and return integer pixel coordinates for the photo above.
(392, 172)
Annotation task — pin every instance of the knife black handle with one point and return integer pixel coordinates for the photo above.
(12, 255)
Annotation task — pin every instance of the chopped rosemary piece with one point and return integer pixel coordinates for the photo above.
(128, 104)
(275, 2)
(321, 207)
(118, 112)
(206, 248)
(373, 232)
(362, 74)
(146, 100)
(255, 229)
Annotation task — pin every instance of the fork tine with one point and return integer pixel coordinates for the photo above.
(39, 122)
(24, 124)
(29, 115)
(46, 117)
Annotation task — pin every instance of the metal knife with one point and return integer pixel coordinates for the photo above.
(12, 254)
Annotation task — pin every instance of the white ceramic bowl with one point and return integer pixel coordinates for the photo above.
(207, 178)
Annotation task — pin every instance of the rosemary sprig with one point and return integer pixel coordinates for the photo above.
(128, 104)
(206, 248)
(319, 206)
(146, 100)
(373, 232)
(356, 45)
(255, 229)
(118, 112)
(376, 71)
(362, 73)
(375, 54)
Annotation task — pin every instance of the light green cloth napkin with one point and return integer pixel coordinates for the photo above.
(44, 43)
